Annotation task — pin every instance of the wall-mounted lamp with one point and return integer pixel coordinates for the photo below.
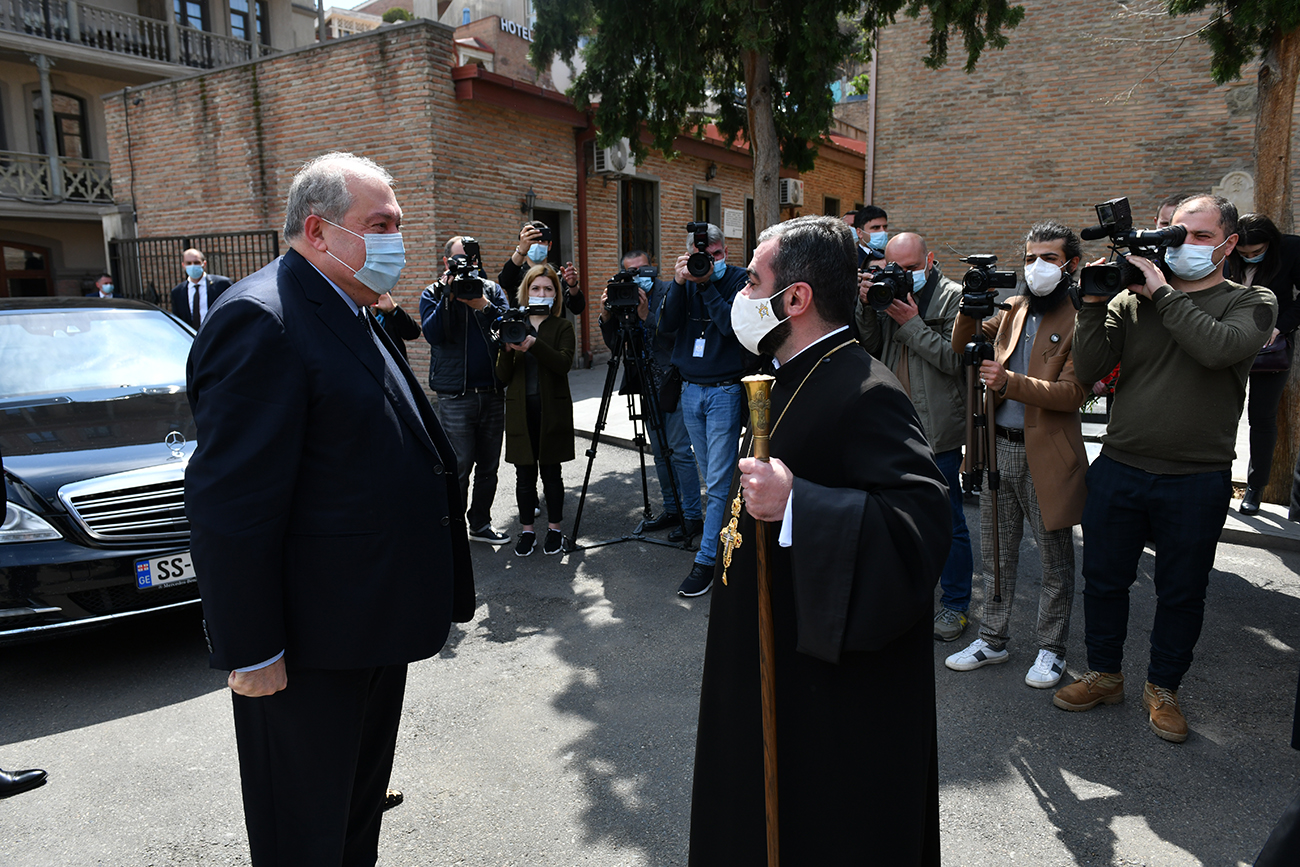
(711, 172)
(530, 198)
(137, 101)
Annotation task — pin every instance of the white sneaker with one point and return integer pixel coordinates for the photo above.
(980, 653)
(1047, 670)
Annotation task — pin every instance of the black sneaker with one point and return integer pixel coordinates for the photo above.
(661, 521)
(487, 534)
(693, 526)
(698, 582)
(554, 543)
(525, 545)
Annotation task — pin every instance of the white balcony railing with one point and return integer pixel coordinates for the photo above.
(27, 177)
(122, 33)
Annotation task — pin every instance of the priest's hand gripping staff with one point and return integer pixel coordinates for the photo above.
(758, 390)
(978, 301)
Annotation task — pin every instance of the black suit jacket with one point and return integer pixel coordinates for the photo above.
(303, 542)
(181, 296)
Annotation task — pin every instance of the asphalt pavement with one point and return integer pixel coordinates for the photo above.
(558, 726)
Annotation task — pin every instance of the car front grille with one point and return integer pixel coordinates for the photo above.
(124, 597)
(138, 506)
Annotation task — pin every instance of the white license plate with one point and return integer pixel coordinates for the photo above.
(161, 571)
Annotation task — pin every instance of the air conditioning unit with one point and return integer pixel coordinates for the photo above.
(615, 160)
(791, 192)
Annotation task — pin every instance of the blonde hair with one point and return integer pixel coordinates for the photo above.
(542, 270)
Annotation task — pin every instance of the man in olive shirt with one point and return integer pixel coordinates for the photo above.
(1186, 347)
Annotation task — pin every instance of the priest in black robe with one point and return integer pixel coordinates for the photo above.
(859, 527)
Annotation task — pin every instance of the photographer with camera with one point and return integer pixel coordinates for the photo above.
(1186, 342)
(911, 333)
(534, 361)
(534, 248)
(456, 313)
(1040, 453)
(871, 224)
(659, 345)
(697, 308)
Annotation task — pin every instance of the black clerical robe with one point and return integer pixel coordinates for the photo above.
(851, 601)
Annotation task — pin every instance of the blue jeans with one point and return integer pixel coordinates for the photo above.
(1183, 516)
(960, 566)
(475, 424)
(713, 416)
(682, 465)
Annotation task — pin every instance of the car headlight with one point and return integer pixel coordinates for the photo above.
(22, 525)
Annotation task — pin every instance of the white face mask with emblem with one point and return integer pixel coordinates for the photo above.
(753, 318)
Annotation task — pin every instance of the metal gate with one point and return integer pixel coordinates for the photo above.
(147, 268)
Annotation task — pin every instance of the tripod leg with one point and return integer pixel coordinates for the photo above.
(601, 415)
(995, 482)
(638, 437)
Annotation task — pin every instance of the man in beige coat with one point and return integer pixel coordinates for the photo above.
(1040, 452)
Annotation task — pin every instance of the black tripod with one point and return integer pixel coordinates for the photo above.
(981, 433)
(630, 348)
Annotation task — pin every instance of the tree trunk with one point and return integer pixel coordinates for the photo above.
(764, 146)
(1274, 114)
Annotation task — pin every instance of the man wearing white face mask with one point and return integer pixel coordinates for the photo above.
(1186, 344)
(1040, 453)
(914, 339)
(321, 577)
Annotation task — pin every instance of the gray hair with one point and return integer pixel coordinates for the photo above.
(321, 188)
(715, 235)
(822, 252)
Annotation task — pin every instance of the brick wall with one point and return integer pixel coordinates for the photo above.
(1065, 117)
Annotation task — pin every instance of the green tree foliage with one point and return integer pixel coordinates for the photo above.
(397, 13)
(1241, 29)
(674, 65)
(860, 85)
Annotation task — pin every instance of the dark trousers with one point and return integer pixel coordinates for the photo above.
(314, 763)
(526, 474)
(1183, 515)
(1261, 411)
(475, 424)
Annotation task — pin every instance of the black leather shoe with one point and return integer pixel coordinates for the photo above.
(392, 798)
(662, 521)
(13, 782)
(693, 526)
(1250, 501)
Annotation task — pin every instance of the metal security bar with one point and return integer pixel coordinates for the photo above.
(148, 268)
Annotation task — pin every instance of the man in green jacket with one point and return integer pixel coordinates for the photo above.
(1186, 345)
(914, 340)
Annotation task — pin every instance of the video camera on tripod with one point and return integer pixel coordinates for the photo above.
(1115, 220)
(980, 286)
(623, 295)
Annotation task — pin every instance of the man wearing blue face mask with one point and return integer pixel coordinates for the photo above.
(1185, 344)
(872, 225)
(711, 362)
(192, 297)
(534, 248)
(914, 339)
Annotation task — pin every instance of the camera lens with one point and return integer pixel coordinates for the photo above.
(699, 264)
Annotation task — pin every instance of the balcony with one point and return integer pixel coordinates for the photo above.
(121, 33)
(26, 177)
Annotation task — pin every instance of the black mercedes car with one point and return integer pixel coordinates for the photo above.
(95, 433)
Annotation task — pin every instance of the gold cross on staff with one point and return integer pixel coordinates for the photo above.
(730, 537)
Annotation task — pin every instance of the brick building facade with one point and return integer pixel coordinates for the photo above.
(1087, 102)
(216, 152)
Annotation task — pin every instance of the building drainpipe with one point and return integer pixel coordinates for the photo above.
(580, 138)
(43, 65)
(868, 182)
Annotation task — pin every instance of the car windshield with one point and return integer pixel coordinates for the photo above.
(64, 351)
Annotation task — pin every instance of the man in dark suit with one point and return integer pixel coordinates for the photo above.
(192, 297)
(321, 578)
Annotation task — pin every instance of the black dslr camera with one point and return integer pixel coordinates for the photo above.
(466, 272)
(887, 284)
(700, 263)
(980, 286)
(622, 295)
(512, 326)
(1115, 220)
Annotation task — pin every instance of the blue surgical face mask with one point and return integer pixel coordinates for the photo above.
(194, 271)
(918, 280)
(537, 253)
(106, 289)
(1192, 261)
(877, 241)
(385, 259)
(719, 268)
(1255, 260)
(646, 283)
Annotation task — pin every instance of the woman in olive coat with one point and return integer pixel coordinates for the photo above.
(539, 407)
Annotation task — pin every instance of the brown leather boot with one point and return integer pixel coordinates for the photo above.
(1094, 688)
(1167, 718)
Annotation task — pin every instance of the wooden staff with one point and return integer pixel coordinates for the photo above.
(758, 389)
